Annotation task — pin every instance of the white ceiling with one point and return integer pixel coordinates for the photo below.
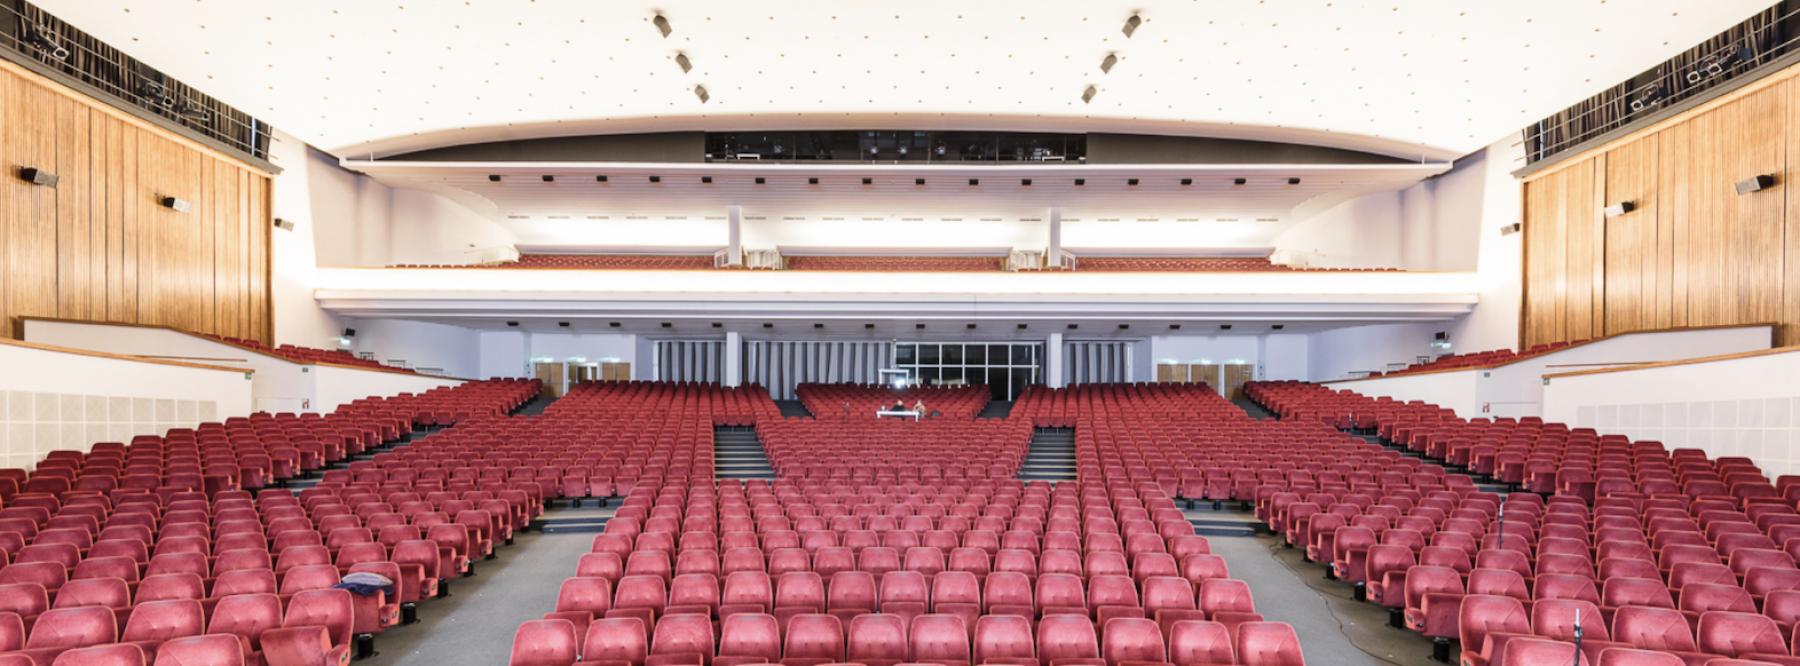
(1430, 79)
(565, 211)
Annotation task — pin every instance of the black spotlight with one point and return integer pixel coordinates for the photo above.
(918, 181)
(1187, 181)
(495, 178)
(974, 181)
(1238, 181)
(613, 324)
(919, 326)
(599, 179)
(868, 326)
(1080, 181)
(812, 181)
(1021, 327)
(760, 180)
(718, 325)
(1026, 182)
(971, 327)
(563, 324)
(1074, 326)
(768, 325)
(1124, 326)
(1174, 327)
(706, 179)
(549, 179)
(1754, 184)
(1279, 326)
(868, 181)
(349, 332)
(818, 326)
(1293, 181)
(177, 205)
(1224, 327)
(668, 325)
(656, 179)
(513, 324)
(38, 177)
(1132, 182)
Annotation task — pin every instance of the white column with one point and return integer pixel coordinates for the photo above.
(734, 245)
(1053, 361)
(734, 351)
(1053, 257)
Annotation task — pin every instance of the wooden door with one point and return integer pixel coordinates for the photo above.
(615, 372)
(1171, 373)
(583, 373)
(1206, 373)
(1235, 377)
(552, 376)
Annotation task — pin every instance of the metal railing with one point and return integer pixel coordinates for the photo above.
(49, 41)
(1746, 46)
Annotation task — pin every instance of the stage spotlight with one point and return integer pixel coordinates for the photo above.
(1107, 64)
(39, 177)
(1293, 181)
(549, 179)
(1239, 181)
(682, 60)
(496, 179)
(1087, 96)
(1131, 25)
(700, 92)
(1650, 98)
(662, 25)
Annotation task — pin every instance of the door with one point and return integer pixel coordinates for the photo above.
(1208, 374)
(552, 375)
(583, 373)
(1235, 377)
(1171, 373)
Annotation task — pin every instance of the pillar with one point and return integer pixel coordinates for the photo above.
(1053, 257)
(734, 245)
(734, 350)
(1053, 361)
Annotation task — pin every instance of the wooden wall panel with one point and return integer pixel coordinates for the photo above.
(1694, 253)
(100, 246)
(1630, 260)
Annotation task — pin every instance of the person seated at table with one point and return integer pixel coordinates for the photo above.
(920, 408)
(899, 405)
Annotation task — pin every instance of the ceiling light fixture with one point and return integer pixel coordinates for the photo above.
(1074, 326)
(1238, 181)
(686, 65)
(599, 179)
(1132, 182)
(656, 179)
(760, 180)
(768, 325)
(1107, 64)
(1651, 97)
(563, 324)
(1174, 327)
(1224, 327)
(1124, 326)
(1131, 25)
(1278, 326)
(812, 181)
(919, 326)
(1087, 96)
(1187, 181)
(662, 25)
(496, 179)
(918, 181)
(974, 181)
(700, 92)
(549, 179)
(868, 181)
(706, 179)
(667, 325)
(818, 326)
(1025, 182)
(1080, 181)
(718, 325)
(613, 324)
(1293, 181)
(971, 327)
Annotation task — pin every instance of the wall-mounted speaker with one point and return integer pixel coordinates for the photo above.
(1620, 208)
(284, 225)
(1510, 229)
(1754, 184)
(177, 205)
(38, 177)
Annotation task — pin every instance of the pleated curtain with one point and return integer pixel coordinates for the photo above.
(779, 366)
(690, 361)
(1091, 362)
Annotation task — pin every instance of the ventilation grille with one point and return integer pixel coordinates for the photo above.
(49, 41)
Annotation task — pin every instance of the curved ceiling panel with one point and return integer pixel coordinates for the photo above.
(1428, 79)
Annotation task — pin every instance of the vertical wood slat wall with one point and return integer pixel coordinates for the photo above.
(1694, 252)
(99, 246)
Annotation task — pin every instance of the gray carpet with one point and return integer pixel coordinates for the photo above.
(476, 624)
(1333, 629)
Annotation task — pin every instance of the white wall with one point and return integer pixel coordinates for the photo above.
(340, 386)
(1364, 232)
(455, 349)
(1285, 356)
(293, 257)
(1494, 324)
(58, 400)
(503, 354)
(1737, 407)
(1336, 353)
(430, 229)
(1517, 389)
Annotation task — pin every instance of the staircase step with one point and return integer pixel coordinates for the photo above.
(1051, 457)
(738, 454)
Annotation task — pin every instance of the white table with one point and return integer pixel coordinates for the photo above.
(914, 414)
